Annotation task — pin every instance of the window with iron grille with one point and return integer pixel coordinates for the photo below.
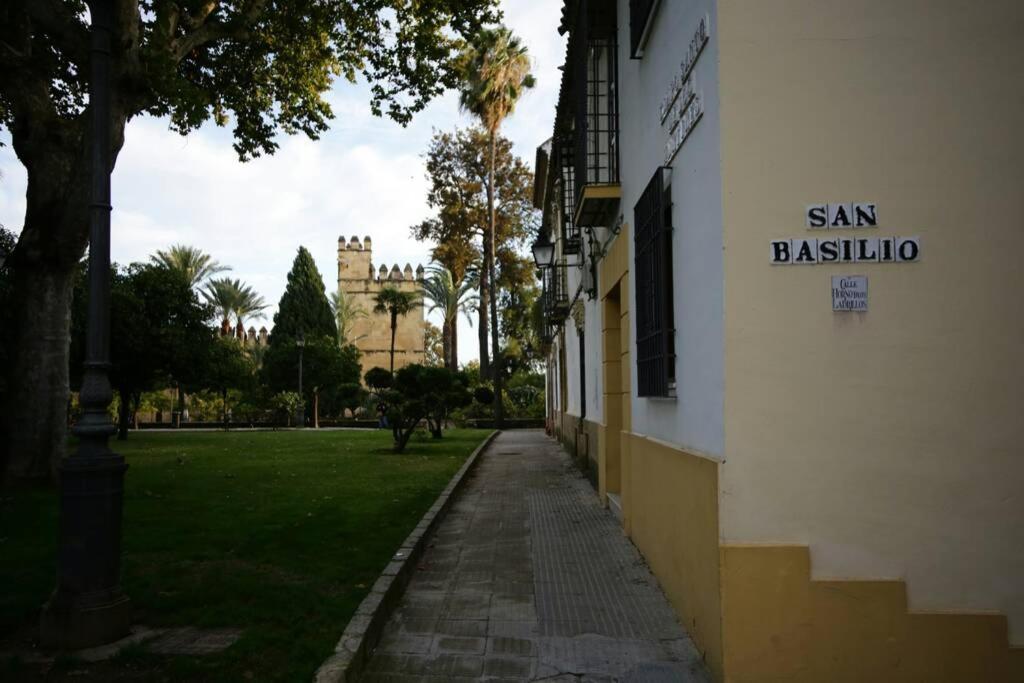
(567, 170)
(655, 325)
(641, 14)
(594, 68)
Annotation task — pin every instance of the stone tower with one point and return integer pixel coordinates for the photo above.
(372, 334)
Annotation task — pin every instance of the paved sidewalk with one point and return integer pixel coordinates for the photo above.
(529, 578)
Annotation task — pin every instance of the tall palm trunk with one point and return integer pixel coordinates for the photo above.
(482, 334)
(499, 411)
(394, 328)
(454, 343)
(446, 344)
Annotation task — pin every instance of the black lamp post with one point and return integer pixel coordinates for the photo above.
(87, 607)
(300, 417)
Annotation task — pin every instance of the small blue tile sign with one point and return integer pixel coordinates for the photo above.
(849, 293)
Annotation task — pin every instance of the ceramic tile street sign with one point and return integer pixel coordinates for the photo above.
(849, 293)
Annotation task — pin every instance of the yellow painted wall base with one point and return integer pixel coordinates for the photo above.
(670, 501)
(778, 624)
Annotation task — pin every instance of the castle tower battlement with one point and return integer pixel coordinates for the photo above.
(361, 281)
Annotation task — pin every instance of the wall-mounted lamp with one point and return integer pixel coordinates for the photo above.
(543, 252)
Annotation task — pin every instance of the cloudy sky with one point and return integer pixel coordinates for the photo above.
(363, 177)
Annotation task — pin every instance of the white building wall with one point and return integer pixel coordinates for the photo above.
(693, 420)
(572, 347)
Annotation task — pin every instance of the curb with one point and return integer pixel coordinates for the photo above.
(363, 632)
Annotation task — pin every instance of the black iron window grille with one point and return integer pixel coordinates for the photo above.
(655, 325)
(641, 15)
(556, 299)
(567, 178)
(594, 55)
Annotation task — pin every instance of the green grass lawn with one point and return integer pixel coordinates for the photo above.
(279, 533)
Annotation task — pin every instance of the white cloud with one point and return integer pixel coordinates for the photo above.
(364, 177)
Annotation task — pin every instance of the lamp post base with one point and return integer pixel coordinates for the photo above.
(88, 621)
(88, 608)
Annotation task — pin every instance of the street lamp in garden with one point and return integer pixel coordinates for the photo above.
(300, 417)
(87, 607)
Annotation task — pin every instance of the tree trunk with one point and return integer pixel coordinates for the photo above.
(455, 344)
(124, 398)
(482, 328)
(56, 154)
(446, 345)
(34, 419)
(394, 328)
(224, 407)
(316, 408)
(497, 366)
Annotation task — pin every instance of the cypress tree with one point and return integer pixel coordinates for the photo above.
(304, 307)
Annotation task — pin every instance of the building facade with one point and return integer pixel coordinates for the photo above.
(785, 233)
(370, 331)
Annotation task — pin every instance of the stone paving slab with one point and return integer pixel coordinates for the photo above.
(529, 578)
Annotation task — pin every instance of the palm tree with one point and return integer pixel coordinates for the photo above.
(249, 305)
(346, 312)
(451, 298)
(222, 294)
(232, 298)
(394, 302)
(195, 265)
(495, 70)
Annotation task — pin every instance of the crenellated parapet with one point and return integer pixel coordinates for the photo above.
(355, 262)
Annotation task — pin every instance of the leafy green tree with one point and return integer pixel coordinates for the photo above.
(495, 69)
(285, 404)
(446, 391)
(458, 172)
(228, 367)
(261, 67)
(325, 369)
(190, 262)
(395, 303)
(451, 297)
(351, 396)
(420, 393)
(158, 331)
(378, 379)
(304, 310)
(433, 346)
(517, 294)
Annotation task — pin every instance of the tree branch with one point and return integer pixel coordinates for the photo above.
(211, 30)
(58, 20)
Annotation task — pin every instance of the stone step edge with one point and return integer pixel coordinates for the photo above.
(363, 632)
